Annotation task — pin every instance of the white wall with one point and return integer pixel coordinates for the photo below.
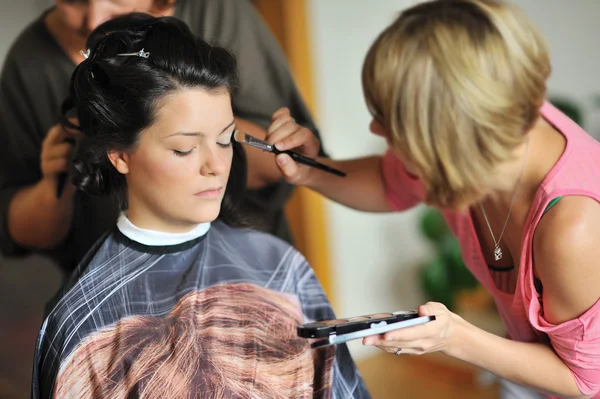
(375, 256)
(572, 30)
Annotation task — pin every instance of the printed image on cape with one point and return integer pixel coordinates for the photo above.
(212, 317)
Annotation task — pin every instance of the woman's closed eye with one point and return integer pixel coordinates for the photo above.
(182, 153)
(225, 140)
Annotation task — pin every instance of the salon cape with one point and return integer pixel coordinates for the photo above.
(240, 293)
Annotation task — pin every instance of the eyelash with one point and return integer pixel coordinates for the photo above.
(182, 153)
(186, 153)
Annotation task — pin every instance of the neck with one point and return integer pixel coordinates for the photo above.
(70, 42)
(158, 238)
(512, 176)
(145, 219)
(545, 148)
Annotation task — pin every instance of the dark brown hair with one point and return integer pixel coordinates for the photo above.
(116, 98)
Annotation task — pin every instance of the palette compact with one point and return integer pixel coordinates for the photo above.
(333, 332)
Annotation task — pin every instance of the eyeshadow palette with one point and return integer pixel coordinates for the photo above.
(342, 330)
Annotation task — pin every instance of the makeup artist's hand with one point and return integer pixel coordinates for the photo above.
(57, 151)
(286, 134)
(433, 336)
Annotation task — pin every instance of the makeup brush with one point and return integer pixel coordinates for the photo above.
(62, 177)
(60, 186)
(247, 139)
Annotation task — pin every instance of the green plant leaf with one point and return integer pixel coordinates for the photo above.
(436, 284)
(433, 225)
(568, 108)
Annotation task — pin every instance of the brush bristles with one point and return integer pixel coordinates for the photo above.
(244, 138)
(239, 136)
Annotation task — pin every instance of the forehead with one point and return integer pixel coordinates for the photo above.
(194, 110)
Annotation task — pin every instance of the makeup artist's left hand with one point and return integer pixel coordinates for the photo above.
(434, 336)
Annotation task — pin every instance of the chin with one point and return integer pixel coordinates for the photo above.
(206, 215)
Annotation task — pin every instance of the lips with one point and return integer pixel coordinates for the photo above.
(210, 193)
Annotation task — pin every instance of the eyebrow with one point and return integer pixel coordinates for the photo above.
(200, 133)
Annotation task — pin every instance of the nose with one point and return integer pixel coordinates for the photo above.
(377, 128)
(215, 162)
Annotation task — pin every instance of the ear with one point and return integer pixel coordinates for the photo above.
(120, 161)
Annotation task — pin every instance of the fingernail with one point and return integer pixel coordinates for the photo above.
(280, 146)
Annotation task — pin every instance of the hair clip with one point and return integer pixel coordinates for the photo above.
(141, 54)
(86, 54)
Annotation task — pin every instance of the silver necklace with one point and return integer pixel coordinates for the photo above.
(497, 249)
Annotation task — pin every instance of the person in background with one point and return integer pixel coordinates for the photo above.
(35, 150)
(458, 90)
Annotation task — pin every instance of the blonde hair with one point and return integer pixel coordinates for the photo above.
(230, 341)
(457, 84)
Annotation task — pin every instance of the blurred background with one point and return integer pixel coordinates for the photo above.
(367, 263)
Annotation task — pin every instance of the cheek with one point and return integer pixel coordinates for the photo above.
(158, 171)
(228, 159)
(161, 173)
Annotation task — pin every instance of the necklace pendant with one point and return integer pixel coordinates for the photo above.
(497, 253)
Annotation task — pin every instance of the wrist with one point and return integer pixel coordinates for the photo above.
(458, 331)
(316, 178)
(310, 179)
(47, 189)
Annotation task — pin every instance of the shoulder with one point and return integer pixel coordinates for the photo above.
(255, 245)
(30, 45)
(209, 9)
(566, 253)
(96, 285)
(258, 240)
(96, 268)
(208, 18)
(33, 65)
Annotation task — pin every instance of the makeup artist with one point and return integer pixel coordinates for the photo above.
(458, 90)
(35, 150)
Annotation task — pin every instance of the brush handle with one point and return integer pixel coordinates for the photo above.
(60, 184)
(311, 162)
(62, 177)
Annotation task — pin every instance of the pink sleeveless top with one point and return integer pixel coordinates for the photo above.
(577, 172)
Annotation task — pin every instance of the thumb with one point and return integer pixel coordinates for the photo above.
(288, 167)
(430, 309)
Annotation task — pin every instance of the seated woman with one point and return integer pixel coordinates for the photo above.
(177, 301)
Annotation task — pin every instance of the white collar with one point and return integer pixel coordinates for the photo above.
(158, 238)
